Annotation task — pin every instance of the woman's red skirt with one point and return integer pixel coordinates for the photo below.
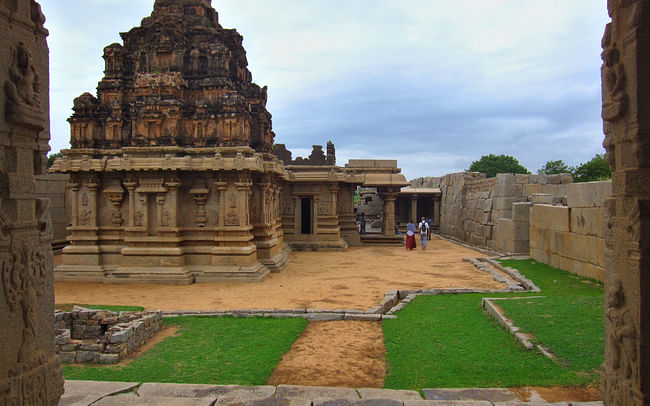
(410, 242)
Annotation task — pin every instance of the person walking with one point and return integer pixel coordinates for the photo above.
(410, 236)
(423, 227)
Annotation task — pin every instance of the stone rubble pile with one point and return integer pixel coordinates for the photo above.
(100, 336)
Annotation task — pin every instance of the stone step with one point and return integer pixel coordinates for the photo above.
(86, 393)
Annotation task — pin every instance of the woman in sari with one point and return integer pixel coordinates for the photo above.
(410, 236)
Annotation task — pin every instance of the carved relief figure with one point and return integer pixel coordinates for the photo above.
(622, 331)
(23, 280)
(84, 217)
(24, 84)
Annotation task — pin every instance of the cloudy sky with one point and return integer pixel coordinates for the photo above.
(434, 84)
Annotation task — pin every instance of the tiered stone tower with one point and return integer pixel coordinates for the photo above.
(172, 175)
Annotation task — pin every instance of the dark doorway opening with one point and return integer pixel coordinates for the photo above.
(306, 215)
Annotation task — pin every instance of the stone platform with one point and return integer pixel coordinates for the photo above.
(85, 393)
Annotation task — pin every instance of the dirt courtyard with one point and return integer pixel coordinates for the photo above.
(354, 279)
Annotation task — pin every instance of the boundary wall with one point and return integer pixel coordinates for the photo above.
(547, 217)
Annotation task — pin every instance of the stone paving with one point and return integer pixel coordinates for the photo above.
(86, 393)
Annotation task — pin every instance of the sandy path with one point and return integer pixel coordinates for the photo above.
(337, 353)
(354, 279)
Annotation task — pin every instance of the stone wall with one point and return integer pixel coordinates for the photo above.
(571, 237)
(472, 206)
(97, 336)
(54, 186)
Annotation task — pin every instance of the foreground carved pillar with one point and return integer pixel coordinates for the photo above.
(626, 114)
(29, 369)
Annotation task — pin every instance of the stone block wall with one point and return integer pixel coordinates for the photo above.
(479, 210)
(98, 336)
(54, 186)
(571, 237)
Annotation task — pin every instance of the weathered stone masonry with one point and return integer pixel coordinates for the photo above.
(29, 370)
(103, 337)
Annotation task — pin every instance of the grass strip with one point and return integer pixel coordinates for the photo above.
(447, 341)
(206, 350)
(569, 320)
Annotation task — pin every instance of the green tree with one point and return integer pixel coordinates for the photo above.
(492, 164)
(596, 169)
(553, 167)
(52, 157)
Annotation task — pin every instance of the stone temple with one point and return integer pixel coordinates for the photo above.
(173, 175)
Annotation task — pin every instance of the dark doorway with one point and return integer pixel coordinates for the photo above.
(425, 208)
(306, 215)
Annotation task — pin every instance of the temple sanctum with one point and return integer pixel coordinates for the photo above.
(173, 175)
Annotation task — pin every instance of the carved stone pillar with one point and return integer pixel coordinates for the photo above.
(414, 209)
(389, 213)
(244, 191)
(173, 185)
(130, 185)
(626, 115)
(29, 368)
(93, 184)
(333, 195)
(74, 203)
(221, 188)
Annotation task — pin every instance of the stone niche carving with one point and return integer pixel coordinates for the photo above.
(29, 370)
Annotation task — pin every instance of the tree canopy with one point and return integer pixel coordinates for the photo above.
(596, 169)
(492, 164)
(52, 157)
(554, 167)
(593, 170)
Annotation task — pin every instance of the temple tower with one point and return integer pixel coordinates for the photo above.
(172, 176)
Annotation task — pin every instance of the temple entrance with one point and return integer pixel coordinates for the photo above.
(306, 215)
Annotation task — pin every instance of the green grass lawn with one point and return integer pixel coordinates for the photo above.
(207, 350)
(447, 341)
(569, 320)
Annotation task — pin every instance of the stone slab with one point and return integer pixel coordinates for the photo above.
(78, 400)
(134, 400)
(269, 402)
(589, 194)
(491, 395)
(175, 390)
(229, 394)
(313, 392)
(374, 393)
(362, 317)
(447, 403)
(97, 388)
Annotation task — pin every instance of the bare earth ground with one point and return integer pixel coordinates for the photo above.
(336, 353)
(354, 279)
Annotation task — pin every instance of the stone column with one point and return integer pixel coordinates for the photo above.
(389, 213)
(414, 209)
(74, 188)
(172, 185)
(29, 370)
(130, 185)
(222, 187)
(93, 185)
(626, 115)
(436, 211)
